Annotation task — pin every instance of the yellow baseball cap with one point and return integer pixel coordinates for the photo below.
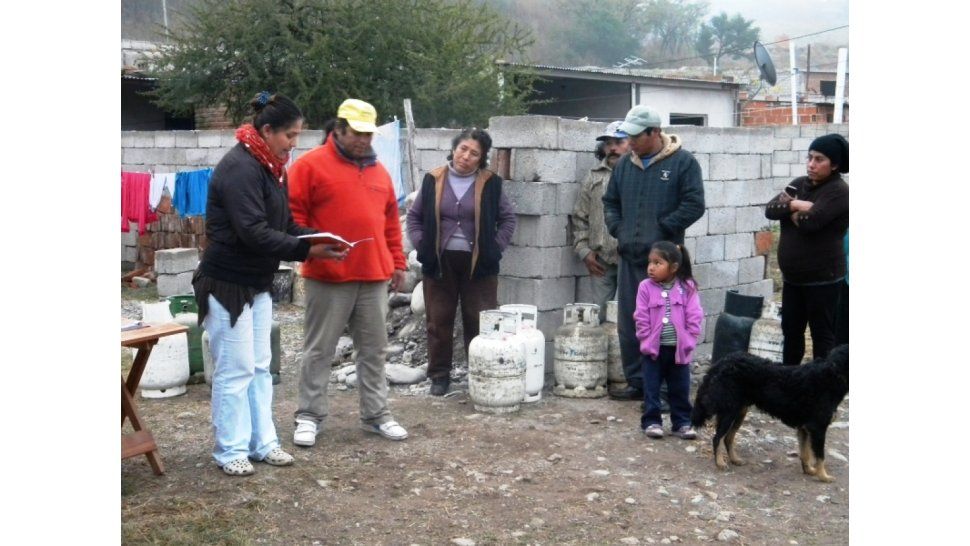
(360, 115)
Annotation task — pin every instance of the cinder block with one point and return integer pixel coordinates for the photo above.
(723, 273)
(175, 285)
(698, 228)
(431, 159)
(812, 130)
(579, 136)
(801, 144)
(541, 231)
(738, 245)
(546, 294)
(308, 140)
(704, 160)
(781, 169)
(786, 157)
(781, 144)
(164, 139)
(127, 139)
(709, 323)
(787, 131)
(751, 219)
(548, 322)
(766, 164)
(137, 156)
(176, 260)
(143, 139)
(751, 270)
(584, 164)
(566, 197)
(130, 238)
(129, 254)
(762, 141)
(533, 165)
(434, 139)
(535, 262)
(690, 243)
(748, 166)
(723, 167)
(721, 220)
(702, 273)
(712, 300)
(759, 192)
(193, 156)
(210, 139)
(187, 139)
(706, 140)
(734, 142)
(764, 288)
(213, 156)
(524, 132)
(584, 291)
(710, 248)
(229, 139)
(532, 198)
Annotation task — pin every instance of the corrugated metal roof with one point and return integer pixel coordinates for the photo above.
(631, 74)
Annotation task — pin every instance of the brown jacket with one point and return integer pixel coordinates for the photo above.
(589, 226)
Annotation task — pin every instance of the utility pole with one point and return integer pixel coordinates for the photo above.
(165, 15)
(840, 85)
(794, 83)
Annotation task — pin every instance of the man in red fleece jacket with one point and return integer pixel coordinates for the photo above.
(340, 187)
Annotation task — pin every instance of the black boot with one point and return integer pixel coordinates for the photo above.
(439, 386)
(629, 393)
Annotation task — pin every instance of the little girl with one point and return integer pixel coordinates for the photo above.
(668, 318)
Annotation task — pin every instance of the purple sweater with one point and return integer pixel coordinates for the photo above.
(459, 214)
(685, 314)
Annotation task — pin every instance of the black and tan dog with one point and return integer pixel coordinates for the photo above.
(803, 397)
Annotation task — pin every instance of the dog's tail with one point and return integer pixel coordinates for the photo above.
(700, 414)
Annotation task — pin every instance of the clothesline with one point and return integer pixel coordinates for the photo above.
(141, 193)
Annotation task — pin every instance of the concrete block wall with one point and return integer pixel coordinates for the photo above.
(791, 144)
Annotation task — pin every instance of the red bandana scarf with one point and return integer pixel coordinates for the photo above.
(256, 146)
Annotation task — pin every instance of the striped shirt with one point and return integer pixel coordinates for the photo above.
(668, 336)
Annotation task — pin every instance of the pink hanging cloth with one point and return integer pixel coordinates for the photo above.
(135, 188)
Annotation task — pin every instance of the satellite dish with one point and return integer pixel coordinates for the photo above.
(765, 66)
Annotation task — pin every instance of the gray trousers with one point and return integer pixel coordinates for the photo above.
(604, 288)
(628, 281)
(329, 308)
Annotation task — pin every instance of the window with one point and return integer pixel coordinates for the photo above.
(699, 120)
(827, 87)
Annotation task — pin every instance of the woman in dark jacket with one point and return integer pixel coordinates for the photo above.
(249, 230)
(814, 214)
(460, 223)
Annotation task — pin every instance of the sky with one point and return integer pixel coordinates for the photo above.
(791, 18)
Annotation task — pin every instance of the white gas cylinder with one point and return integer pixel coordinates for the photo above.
(535, 349)
(167, 369)
(580, 353)
(496, 363)
(767, 339)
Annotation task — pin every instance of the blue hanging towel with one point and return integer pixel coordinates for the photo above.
(191, 192)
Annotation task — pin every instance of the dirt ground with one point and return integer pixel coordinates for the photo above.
(561, 471)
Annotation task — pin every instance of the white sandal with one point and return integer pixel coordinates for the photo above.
(278, 457)
(239, 467)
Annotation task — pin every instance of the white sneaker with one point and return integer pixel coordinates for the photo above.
(390, 430)
(306, 433)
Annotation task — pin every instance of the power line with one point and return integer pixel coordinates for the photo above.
(741, 51)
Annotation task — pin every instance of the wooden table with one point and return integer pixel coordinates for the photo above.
(141, 441)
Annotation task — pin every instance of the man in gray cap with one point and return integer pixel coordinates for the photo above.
(655, 193)
(593, 244)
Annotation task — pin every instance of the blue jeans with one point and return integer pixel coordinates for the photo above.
(242, 388)
(659, 370)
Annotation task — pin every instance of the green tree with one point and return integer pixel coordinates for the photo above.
(440, 53)
(670, 26)
(727, 36)
(597, 32)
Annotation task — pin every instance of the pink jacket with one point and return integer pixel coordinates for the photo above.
(685, 313)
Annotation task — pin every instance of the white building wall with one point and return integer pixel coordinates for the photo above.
(717, 105)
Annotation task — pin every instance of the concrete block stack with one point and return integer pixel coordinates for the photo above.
(175, 268)
(431, 148)
(129, 246)
(548, 158)
(790, 149)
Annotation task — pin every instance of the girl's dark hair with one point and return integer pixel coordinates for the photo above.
(275, 110)
(478, 135)
(676, 254)
(600, 151)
